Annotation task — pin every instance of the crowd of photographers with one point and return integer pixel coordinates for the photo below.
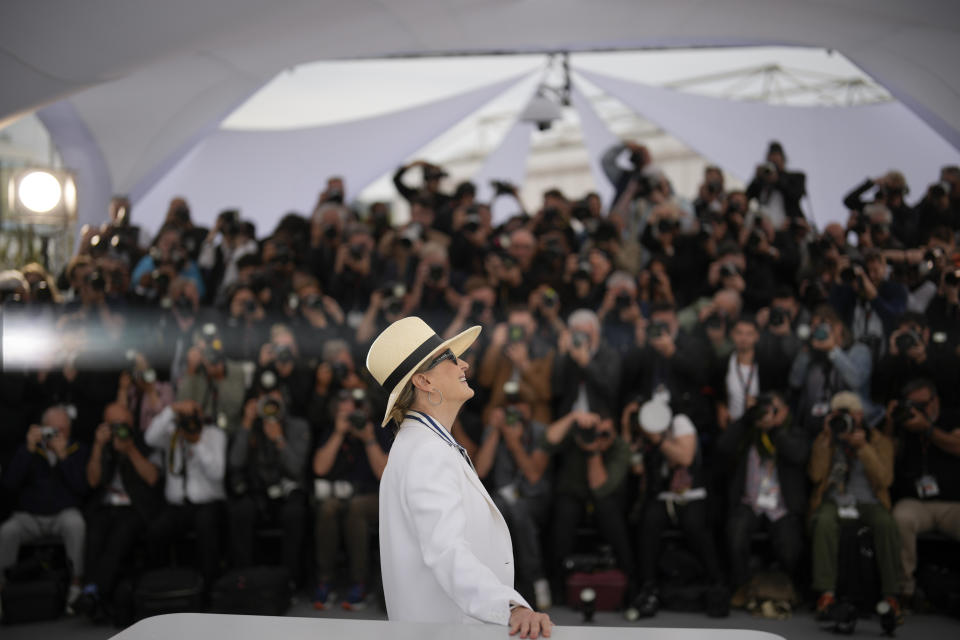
(715, 365)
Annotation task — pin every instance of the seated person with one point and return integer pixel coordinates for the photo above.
(925, 473)
(512, 461)
(46, 479)
(127, 496)
(675, 494)
(267, 464)
(348, 462)
(767, 455)
(592, 470)
(195, 455)
(851, 468)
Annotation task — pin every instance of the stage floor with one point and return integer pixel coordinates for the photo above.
(800, 627)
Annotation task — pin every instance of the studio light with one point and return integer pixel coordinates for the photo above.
(41, 195)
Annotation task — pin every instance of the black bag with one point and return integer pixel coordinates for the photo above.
(172, 590)
(858, 580)
(36, 587)
(254, 591)
(685, 598)
(717, 600)
(679, 567)
(941, 586)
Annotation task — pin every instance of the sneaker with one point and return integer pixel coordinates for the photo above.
(356, 597)
(323, 597)
(647, 604)
(891, 616)
(825, 606)
(72, 596)
(541, 592)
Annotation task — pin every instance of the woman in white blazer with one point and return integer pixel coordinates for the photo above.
(445, 550)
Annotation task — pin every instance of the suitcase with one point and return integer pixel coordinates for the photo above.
(609, 585)
(262, 591)
(170, 590)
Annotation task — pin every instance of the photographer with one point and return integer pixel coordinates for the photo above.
(911, 355)
(586, 373)
(513, 462)
(711, 193)
(767, 457)
(944, 310)
(348, 462)
(891, 188)
(244, 328)
(386, 306)
(213, 382)
(267, 461)
(619, 311)
(516, 354)
(746, 374)
(926, 482)
(829, 363)
(127, 496)
(321, 319)
(779, 324)
(868, 301)
(294, 382)
(621, 177)
(429, 191)
(354, 272)
(219, 262)
(592, 470)
(45, 479)
(674, 494)
(851, 468)
(194, 455)
(777, 191)
(431, 296)
(168, 256)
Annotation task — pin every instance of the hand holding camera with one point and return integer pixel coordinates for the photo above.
(844, 428)
(189, 419)
(822, 338)
(908, 342)
(910, 415)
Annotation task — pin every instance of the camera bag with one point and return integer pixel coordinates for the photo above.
(36, 587)
(168, 590)
(262, 590)
(610, 585)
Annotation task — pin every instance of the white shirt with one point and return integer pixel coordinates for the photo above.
(445, 550)
(193, 471)
(742, 380)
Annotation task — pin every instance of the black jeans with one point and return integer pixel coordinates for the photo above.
(289, 513)
(611, 521)
(173, 521)
(786, 538)
(692, 518)
(112, 534)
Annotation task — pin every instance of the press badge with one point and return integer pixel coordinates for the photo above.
(927, 487)
(847, 507)
(274, 491)
(510, 493)
(767, 501)
(820, 409)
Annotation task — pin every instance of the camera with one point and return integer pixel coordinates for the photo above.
(145, 376)
(477, 308)
(715, 321)
(501, 187)
(270, 408)
(230, 221)
(841, 423)
(340, 371)
(357, 419)
(184, 305)
(658, 329)
(48, 433)
(512, 415)
(755, 239)
(907, 340)
(586, 435)
(516, 333)
(436, 272)
(821, 332)
(121, 430)
(471, 223)
(357, 251)
(283, 354)
(96, 280)
(623, 300)
(903, 412)
(580, 339)
(767, 169)
(583, 271)
(666, 225)
(952, 278)
(312, 302)
(778, 315)
(213, 354)
(550, 298)
(189, 422)
(511, 392)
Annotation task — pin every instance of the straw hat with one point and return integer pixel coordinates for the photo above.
(404, 347)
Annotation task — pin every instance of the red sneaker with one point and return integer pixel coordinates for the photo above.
(825, 605)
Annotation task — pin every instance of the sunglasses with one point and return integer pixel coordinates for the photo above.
(446, 355)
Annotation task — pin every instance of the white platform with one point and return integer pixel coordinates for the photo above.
(188, 626)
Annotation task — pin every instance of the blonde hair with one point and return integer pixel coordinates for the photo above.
(407, 395)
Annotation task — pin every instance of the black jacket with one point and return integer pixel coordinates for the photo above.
(601, 377)
(146, 500)
(792, 451)
(792, 185)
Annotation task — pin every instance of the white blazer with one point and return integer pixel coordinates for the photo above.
(445, 550)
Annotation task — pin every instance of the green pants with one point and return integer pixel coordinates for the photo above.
(825, 535)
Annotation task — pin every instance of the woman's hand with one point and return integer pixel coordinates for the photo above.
(529, 624)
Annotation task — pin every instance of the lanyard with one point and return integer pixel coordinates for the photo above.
(745, 385)
(431, 424)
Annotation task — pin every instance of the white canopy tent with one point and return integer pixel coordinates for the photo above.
(133, 86)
